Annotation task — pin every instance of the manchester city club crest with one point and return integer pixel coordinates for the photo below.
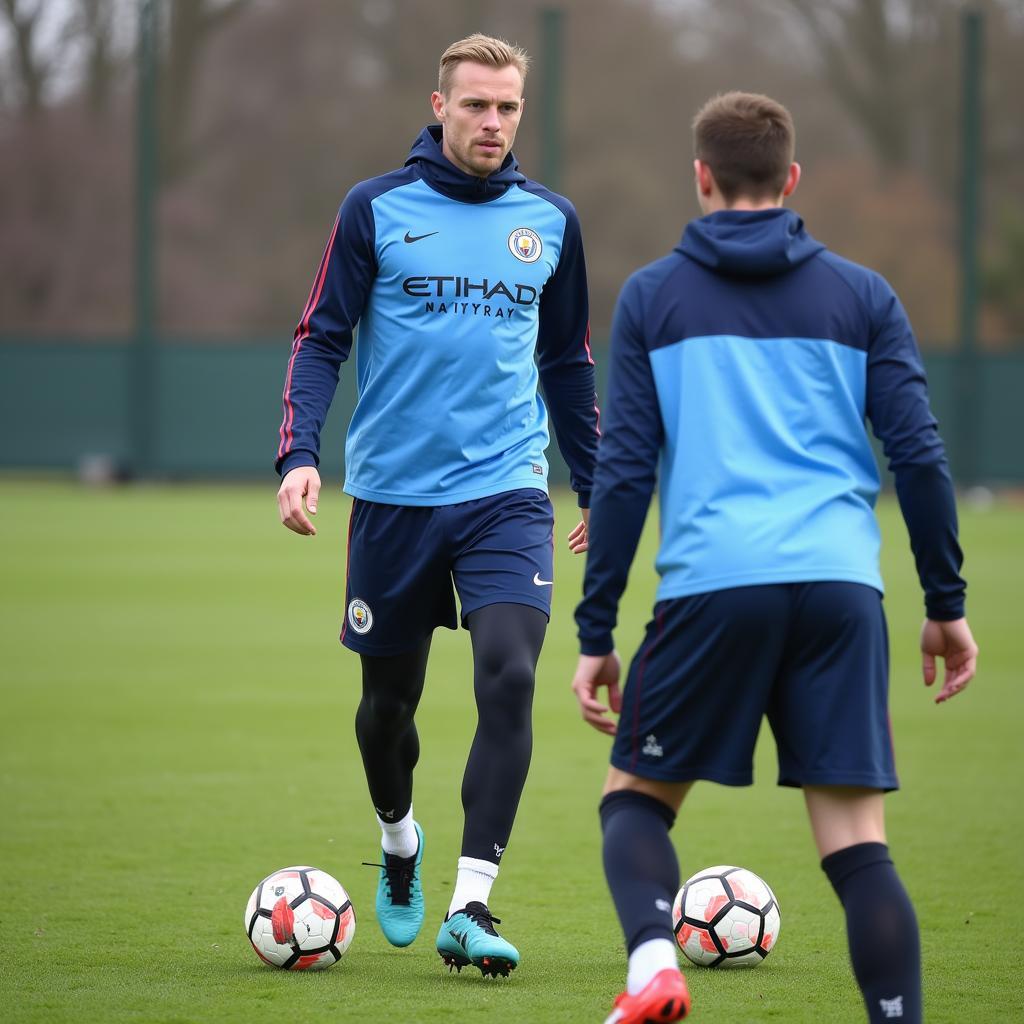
(360, 618)
(525, 244)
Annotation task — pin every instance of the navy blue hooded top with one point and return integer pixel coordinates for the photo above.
(466, 292)
(743, 367)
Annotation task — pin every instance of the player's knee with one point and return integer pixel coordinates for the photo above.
(505, 689)
(385, 712)
(620, 783)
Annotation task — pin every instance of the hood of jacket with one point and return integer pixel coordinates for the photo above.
(749, 243)
(443, 176)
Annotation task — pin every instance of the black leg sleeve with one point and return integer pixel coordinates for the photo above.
(507, 639)
(385, 728)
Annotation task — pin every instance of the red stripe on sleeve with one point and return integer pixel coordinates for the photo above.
(590, 359)
(586, 345)
(301, 333)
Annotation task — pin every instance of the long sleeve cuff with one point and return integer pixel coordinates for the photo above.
(928, 504)
(597, 646)
(300, 457)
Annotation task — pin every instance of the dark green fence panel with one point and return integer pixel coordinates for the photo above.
(61, 402)
(219, 408)
(1001, 418)
(999, 429)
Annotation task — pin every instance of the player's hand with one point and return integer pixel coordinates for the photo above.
(578, 539)
(593, 672)
(953, 642)
(303, 482)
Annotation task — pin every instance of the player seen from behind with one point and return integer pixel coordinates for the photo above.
(743, 367)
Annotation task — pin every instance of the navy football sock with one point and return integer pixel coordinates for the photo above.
(882, 931)
(640, 864)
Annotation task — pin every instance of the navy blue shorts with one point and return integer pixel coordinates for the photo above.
(813, 657)
(403, 560)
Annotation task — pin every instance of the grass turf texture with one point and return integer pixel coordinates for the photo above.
(177, 723)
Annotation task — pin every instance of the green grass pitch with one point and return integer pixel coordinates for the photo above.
(177, 722)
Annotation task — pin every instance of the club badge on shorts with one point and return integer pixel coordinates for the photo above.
(525, 245)
(360, 618)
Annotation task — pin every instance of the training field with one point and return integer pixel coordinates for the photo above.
(177, 722)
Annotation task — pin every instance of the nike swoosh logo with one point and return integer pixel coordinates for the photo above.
(416, 238)
(542, 583)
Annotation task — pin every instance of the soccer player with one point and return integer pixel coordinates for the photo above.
(745, 362)
(458, 271)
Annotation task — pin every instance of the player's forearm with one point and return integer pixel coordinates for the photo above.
(928, 504)
(310, 384)
(617, 518)
(572, 404)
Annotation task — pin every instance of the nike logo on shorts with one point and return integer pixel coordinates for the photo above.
(416, 238)
(538, 582)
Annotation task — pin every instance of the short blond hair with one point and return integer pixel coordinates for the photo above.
(481, 49)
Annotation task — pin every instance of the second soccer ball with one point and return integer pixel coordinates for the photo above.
(726, 916)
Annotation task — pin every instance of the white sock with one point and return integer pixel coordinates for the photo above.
(473, 882)
(399, 837)
(647, 960)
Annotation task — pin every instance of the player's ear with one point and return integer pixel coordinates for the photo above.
(437, 101)
(792, 180)
(702, 177)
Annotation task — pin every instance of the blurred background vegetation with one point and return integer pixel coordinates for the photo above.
(268, 111)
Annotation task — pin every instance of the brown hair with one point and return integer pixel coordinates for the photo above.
(748, 141)
(480, 49)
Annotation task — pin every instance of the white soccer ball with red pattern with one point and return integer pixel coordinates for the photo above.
(726, 917)
(300, 919)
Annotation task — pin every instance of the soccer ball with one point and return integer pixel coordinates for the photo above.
(300, 918)
(726, 916)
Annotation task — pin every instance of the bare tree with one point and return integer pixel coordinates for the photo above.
(30, 68)
(192, 24)
(867, 64)
(267, 123)
(94, 24)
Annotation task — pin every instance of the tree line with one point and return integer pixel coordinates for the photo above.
(269, 110)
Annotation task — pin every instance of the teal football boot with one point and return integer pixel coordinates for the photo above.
(468, 937)
(400, 895)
